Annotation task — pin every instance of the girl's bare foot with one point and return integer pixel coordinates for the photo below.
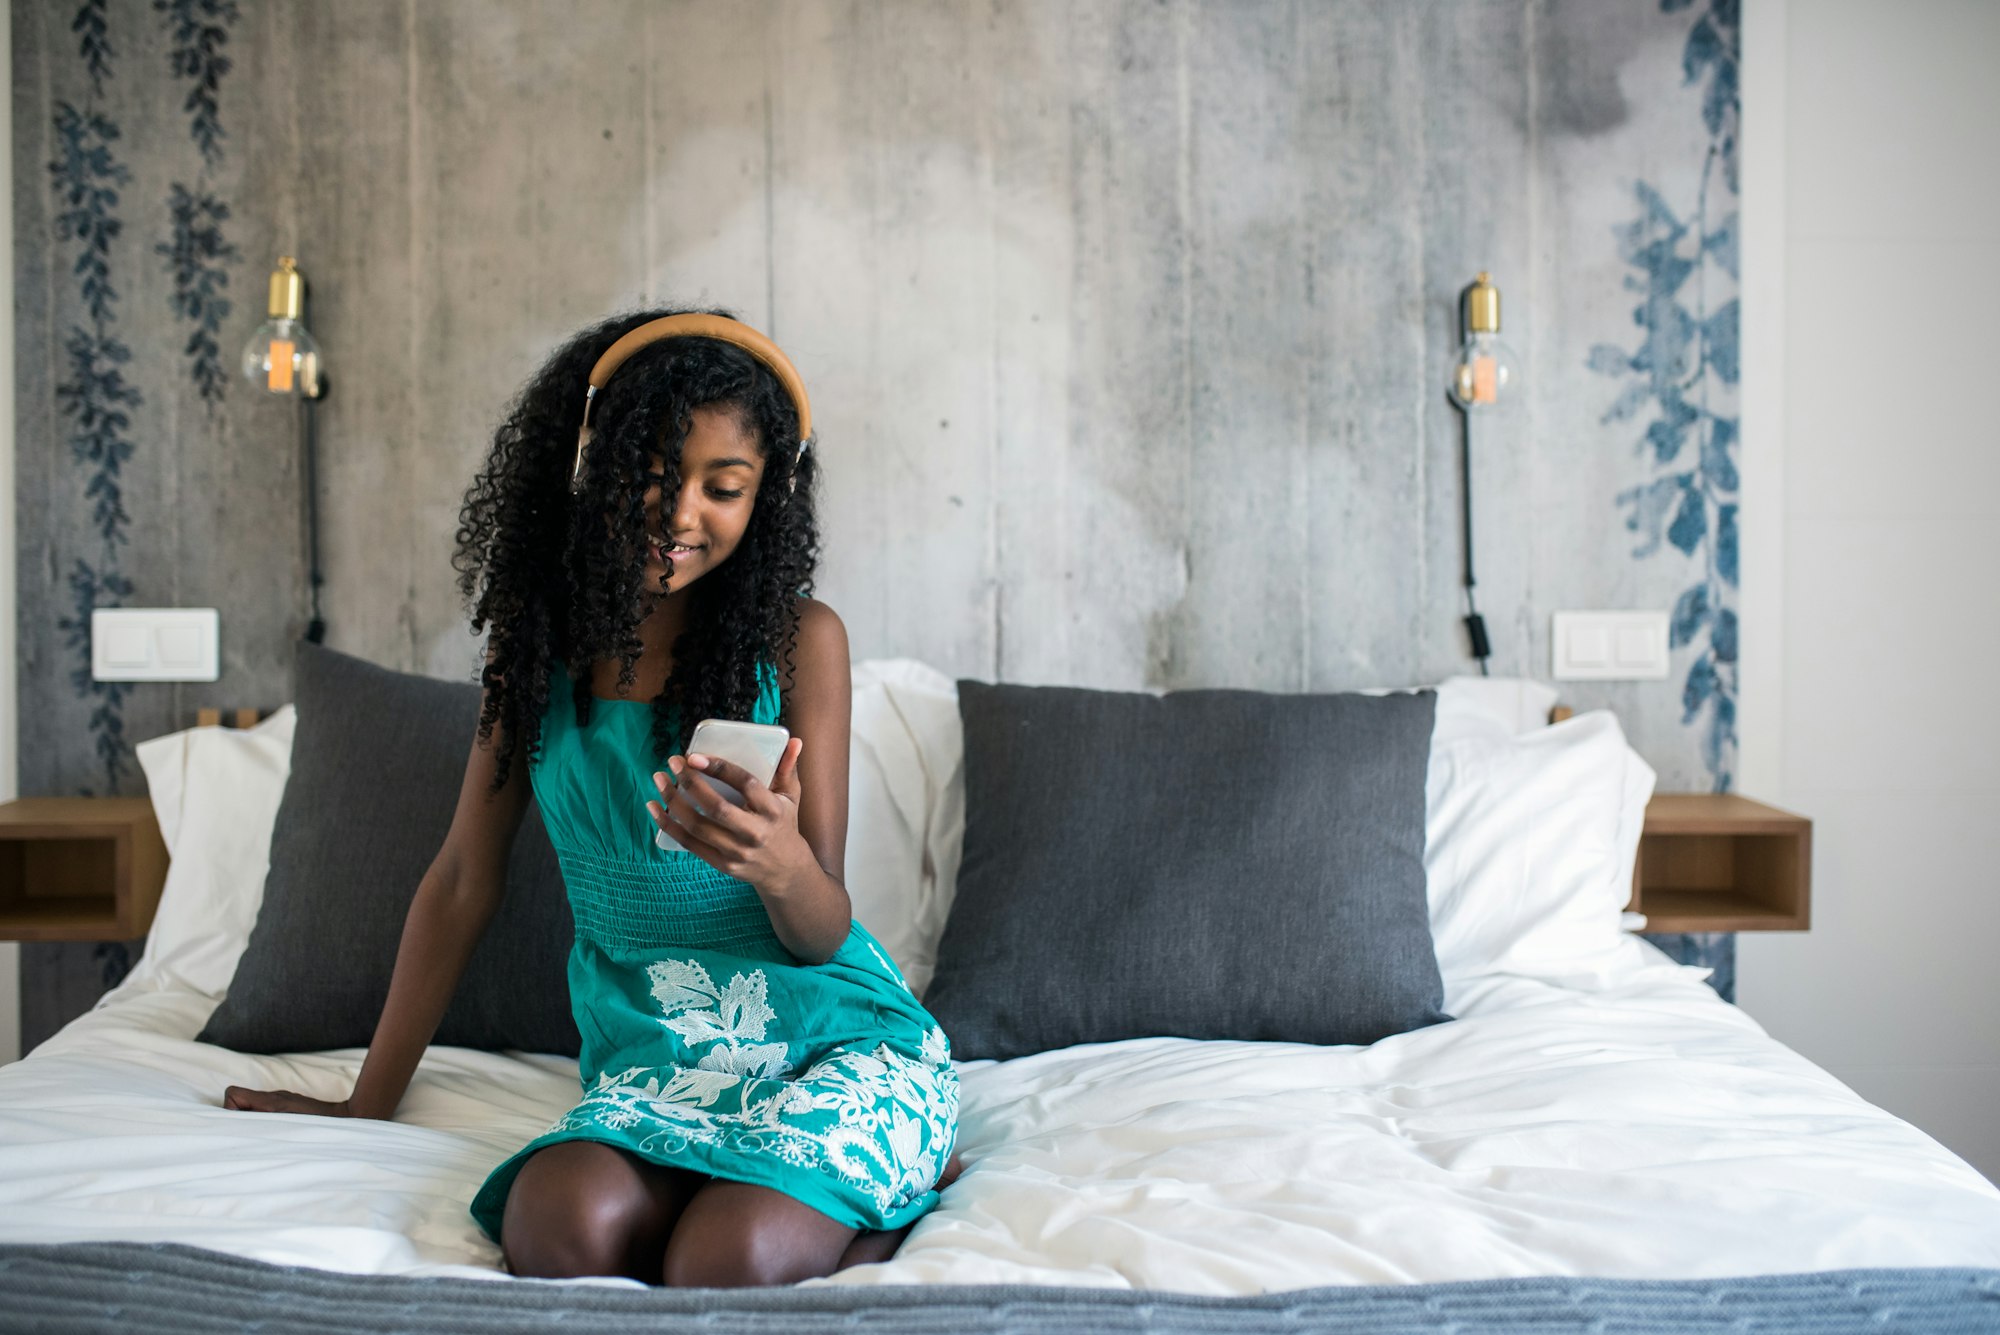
(873, 1245)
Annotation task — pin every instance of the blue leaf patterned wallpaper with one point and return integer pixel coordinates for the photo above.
(1127, 323)
(95, 397)
(196, 251)
(1681, 387)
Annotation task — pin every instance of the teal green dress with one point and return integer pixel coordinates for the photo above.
(706, 1044)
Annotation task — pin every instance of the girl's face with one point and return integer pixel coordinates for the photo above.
(693, 531)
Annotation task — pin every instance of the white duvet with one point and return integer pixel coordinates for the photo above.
(1642, 1128)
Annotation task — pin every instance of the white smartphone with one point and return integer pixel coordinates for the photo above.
(756, 747)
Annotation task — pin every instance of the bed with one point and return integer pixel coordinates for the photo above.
(1579, 1147)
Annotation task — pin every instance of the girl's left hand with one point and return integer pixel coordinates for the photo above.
(759, 843)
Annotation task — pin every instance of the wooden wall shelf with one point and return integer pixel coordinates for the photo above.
(79, 868)
(1717, 862)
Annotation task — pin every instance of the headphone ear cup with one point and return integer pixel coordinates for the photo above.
(798, 462)
(576, 469)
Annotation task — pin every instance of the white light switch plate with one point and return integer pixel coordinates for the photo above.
(155, 644)
(1610, 646)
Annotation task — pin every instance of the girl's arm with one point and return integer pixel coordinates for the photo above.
(455, 900)
(791, 843)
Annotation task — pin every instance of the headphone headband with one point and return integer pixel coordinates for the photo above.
(719, 327)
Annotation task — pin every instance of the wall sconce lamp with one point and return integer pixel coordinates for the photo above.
(1483, 377)
(281, 358)
(1483, 374)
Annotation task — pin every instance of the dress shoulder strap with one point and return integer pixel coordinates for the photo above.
(769, 705)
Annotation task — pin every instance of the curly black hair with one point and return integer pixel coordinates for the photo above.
(559, 578)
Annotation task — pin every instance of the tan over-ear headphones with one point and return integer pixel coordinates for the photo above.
(698, 326)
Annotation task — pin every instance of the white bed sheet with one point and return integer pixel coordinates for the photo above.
(1645, 1129)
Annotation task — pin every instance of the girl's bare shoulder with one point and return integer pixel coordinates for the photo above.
(821, 654)
(819, 622)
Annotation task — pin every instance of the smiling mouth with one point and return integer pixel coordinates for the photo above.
(667, 552)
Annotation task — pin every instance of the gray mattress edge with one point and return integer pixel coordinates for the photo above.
(169, 1287)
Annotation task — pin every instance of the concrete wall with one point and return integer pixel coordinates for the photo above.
(1126, 322)
(1890, 498)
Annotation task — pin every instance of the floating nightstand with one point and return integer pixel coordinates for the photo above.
(79, 868)
(1717, 862)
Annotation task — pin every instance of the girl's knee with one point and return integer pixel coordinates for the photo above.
(737, 1258)
(545, 1246)
(747, 1249)
(563, 1220)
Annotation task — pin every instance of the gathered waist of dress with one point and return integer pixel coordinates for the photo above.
(678, 901)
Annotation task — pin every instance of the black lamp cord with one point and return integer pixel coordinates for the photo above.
(1475, 625)
(316, 628)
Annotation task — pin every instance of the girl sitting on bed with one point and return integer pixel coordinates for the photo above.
(764, 1101)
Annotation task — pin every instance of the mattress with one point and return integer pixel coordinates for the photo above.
(1642, 1129)
(162, 1287)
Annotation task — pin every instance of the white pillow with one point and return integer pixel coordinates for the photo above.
(215, 792)
(905, 808)
(1484, 705)
(1529, 844)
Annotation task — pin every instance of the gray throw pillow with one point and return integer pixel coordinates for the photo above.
(377, 761)
(1207, 864)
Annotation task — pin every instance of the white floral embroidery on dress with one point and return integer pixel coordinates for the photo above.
(881, 1120)
(700, 1013)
